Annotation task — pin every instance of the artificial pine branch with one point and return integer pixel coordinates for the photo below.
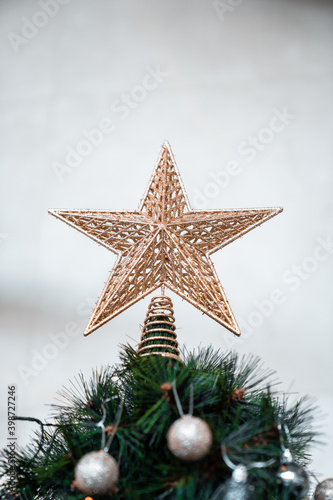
(233, 396)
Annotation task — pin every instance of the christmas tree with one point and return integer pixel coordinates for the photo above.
(232, 396)
(163, 424)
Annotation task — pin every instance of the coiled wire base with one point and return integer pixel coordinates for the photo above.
(158, 334)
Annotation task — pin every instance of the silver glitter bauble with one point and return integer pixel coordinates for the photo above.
(324, 490)
(235, 491)
(189, 438)
(295, 478)
(96, 473)
(236, 488)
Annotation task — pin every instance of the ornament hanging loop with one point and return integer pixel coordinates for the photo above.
(106, 446)
(252, 465)
(102, 422)
(286, 431)
(190, 411)
(116, 424)
(178, 403)
(286, 453)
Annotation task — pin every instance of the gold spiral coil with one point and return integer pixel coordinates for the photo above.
(158, 334)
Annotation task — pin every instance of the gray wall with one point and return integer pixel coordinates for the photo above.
(221, 75)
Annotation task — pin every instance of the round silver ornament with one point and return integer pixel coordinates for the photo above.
(96, 473)
(324, 490)
(293, 476)
(236, 488)
(189, 438)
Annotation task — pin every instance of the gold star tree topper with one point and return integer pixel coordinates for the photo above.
(164, 244)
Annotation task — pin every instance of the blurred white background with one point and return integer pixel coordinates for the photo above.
(210, 77)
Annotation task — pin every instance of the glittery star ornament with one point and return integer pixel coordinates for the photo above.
(164, 242)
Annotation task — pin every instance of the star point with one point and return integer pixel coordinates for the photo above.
(166, 243)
